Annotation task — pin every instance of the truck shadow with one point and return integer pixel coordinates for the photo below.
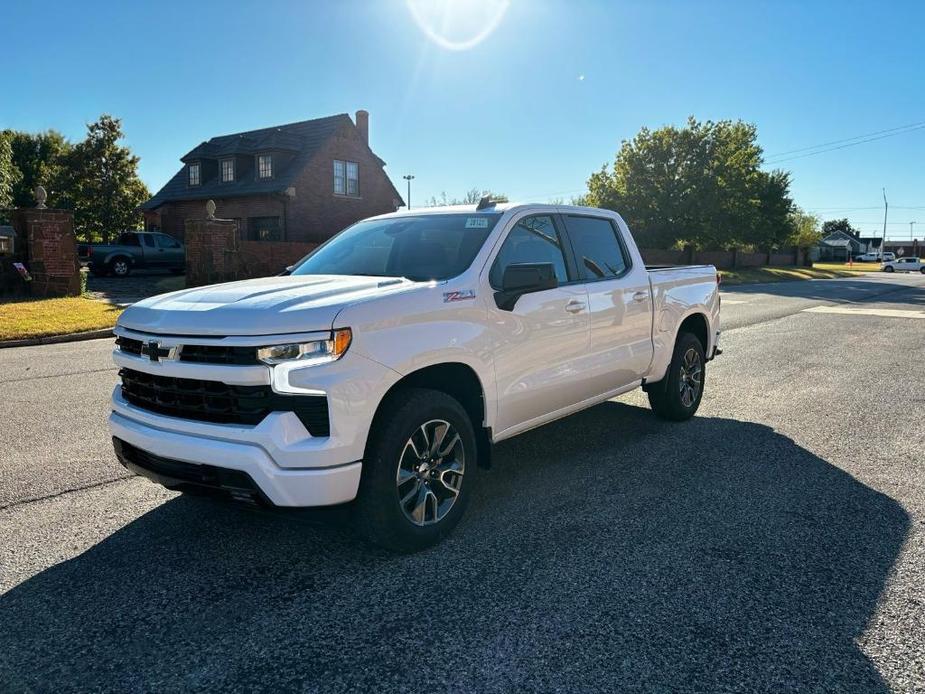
(608, 551)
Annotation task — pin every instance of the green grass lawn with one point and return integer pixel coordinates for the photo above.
(45, 317)
(755, 275)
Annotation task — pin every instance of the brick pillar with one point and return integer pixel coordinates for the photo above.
(211, 251)
(50, 250)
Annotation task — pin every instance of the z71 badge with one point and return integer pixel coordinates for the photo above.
(459, 295)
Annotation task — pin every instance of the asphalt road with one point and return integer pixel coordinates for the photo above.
(776, 542)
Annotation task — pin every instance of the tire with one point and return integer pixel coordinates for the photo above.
(667, 397)
(922, 270)
(889, 268)
(409, 514)
(120, 267)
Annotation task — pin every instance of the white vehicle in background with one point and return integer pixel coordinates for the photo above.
(904, 265)
(874, 257)
(387, 362)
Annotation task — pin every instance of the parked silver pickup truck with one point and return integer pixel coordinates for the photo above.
(384, 367)
(133, 250)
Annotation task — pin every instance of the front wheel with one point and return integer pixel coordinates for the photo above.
(419, 471)
(677, 396)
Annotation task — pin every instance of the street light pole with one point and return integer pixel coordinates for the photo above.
(886, 208)
(409, 178)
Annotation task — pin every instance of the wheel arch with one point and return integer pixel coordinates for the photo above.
(459, 381)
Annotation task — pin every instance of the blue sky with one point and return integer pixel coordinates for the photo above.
(531, 110)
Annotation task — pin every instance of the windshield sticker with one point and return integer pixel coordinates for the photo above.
(476, 222)
(459, 295)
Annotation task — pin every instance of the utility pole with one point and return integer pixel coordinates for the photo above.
(886, 208)
(911, 231)
(409, 178)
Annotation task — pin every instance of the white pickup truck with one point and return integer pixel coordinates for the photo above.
(387, 362)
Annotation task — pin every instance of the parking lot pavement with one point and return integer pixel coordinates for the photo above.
(775, 542)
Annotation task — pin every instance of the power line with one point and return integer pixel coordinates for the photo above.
(848, 139)
(850, 144)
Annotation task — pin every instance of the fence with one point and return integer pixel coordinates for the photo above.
(725, 260)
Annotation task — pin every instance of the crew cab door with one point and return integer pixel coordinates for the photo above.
(170, 251)
(543, 341)
(619, 301)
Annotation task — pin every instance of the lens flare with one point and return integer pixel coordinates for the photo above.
(457, 25)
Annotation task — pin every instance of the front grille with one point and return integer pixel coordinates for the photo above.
(173, 473)
(127, 344)
(211, 401)
(200, 354)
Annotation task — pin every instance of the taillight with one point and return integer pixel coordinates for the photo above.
(719, 278)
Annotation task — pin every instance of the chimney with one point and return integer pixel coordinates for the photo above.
(362, 120)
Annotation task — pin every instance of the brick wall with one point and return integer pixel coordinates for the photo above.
(316, 213)
(171, 217)
(215, 253)
(50, 251)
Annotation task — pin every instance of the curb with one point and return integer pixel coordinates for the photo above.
(55, 339)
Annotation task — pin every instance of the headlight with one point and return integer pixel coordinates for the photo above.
(308, 353)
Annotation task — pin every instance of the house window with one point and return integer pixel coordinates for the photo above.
(227, 170)
(194, 177)
(264, 229)
(264, 166)
(346, 178)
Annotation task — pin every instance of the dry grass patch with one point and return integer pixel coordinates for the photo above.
(31, 318)
(757, 275)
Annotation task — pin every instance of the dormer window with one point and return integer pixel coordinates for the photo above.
(264, 166)
(195, 177)
(227, 170)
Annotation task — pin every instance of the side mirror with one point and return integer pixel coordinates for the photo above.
(524, 278)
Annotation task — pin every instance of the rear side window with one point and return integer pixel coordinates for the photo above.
(598, 252)
(148, 240)
(167, 241)
(128, 240)
(532, 240)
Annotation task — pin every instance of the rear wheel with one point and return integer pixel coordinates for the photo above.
(418, 473)
(677, 396)
(120, 267)
(922, 270)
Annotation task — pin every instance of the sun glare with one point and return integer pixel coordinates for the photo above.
(457, 25)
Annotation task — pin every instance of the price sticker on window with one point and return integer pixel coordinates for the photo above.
(476, 222)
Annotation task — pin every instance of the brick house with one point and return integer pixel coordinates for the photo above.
(299, 182)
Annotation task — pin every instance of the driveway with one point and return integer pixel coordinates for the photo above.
(139, 285)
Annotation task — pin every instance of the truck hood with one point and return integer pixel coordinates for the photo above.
(265, 306)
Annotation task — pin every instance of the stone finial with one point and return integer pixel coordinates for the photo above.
(210, 209)
(40, 197)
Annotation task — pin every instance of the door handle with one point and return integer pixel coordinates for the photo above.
(575, 306)
(640, 296)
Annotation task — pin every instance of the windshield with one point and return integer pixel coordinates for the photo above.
(419, 247)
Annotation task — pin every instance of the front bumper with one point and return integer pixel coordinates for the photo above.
(287, 465)
(278, 486)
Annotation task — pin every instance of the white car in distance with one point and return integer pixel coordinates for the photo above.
(904, 265)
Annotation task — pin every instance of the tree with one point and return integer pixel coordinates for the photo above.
(9, 174)
(700, 184)
(472, 197)
(805, 231)
(833, 225)
(102, 182)
(40, 160)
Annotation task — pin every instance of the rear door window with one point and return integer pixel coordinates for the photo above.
(599, 253)
(148, 240)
